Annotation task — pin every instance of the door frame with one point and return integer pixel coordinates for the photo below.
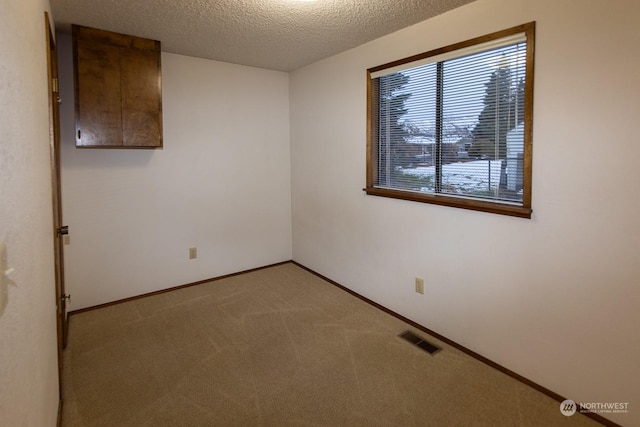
(56, 195)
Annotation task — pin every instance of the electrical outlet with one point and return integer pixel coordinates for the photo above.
(420, 285)
(193, 253)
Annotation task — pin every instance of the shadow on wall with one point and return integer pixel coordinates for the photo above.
(4, 278)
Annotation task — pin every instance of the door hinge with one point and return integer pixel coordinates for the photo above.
(54, 84)
(63, 231)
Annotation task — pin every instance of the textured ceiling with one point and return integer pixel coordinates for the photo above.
(273, 34)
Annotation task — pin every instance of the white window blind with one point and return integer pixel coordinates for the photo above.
(453, 124)
(458, 53)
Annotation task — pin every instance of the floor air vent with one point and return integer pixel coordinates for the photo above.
(419, 342)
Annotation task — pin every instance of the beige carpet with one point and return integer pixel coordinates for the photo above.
(277, 347)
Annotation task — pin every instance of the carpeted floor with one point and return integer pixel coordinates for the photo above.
(277, 347)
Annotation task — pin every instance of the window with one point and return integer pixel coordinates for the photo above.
(453, 126)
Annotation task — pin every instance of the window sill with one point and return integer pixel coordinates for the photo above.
(444, 200)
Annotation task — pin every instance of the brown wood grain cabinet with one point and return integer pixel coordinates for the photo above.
(118, 90)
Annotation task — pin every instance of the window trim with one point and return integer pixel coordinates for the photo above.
(523, 210)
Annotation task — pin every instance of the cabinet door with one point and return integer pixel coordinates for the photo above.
(141, 98)
(118, 90)
(98, 109)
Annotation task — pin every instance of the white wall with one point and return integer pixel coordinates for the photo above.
(28, 350)
(555, 298)
(221, 183)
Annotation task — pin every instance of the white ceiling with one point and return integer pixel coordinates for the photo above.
(273, 34)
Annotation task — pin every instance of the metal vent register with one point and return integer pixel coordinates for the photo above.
(419, 342)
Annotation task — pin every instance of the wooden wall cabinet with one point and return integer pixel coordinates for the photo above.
(118, 90)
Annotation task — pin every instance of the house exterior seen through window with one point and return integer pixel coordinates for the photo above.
(453, 126)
